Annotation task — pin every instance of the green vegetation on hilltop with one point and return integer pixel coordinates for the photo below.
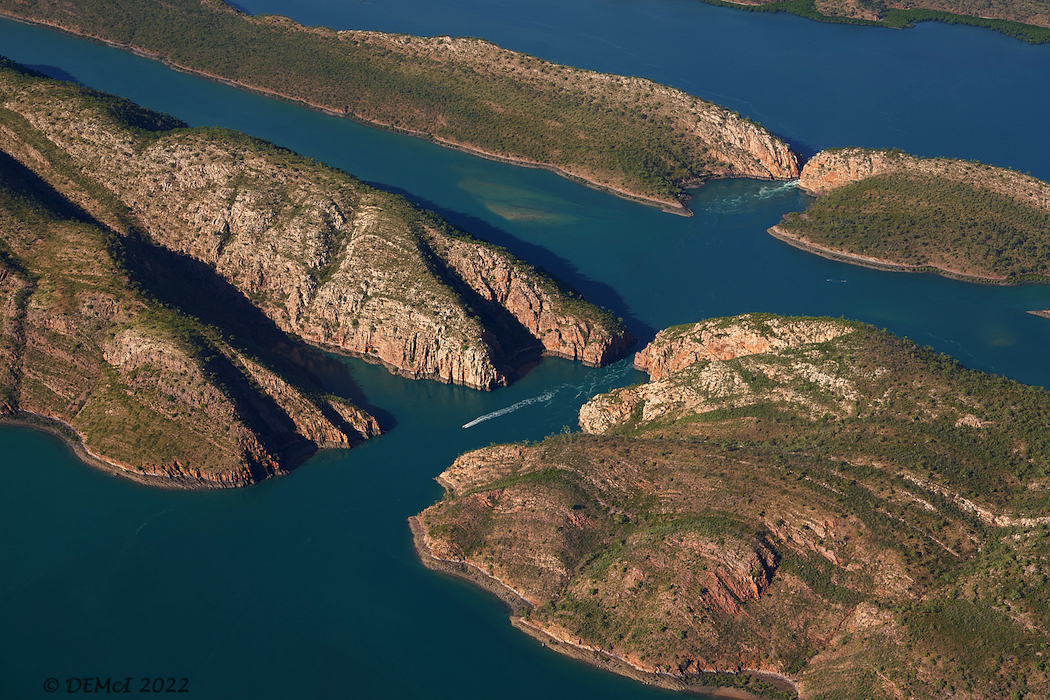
(325, 256)
(101, 335)
(902, 14)
(921, 220)
(825, 501)
(629, 135)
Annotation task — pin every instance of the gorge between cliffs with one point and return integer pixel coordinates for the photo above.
(157, 279)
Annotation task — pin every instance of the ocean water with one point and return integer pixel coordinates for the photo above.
(307, 585)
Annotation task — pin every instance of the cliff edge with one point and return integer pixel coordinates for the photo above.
(891, 210)
(798, 507)
(325, 257)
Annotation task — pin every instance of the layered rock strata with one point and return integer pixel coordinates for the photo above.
(326, 257)
(837, 167)
(630, 136)
(791, 506)
(141, 388)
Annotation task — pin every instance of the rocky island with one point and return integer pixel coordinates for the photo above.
(156, 277)
(890, 210)
(794, 506)
(1028, 20)
(627, 135)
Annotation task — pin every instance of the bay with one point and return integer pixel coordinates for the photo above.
(307, 585)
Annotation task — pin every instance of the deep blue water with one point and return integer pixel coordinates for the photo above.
(307, 585)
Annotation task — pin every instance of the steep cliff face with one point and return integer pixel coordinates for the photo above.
(690, 373)
(563, 323)
(103, 337)
(323, 255)
(835, 168)
(792, 496)
(838, 167)
(679, 347)
(747, 148)
(891, 210)
(148, 391)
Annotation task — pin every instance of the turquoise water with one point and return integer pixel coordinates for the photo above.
(307, 585)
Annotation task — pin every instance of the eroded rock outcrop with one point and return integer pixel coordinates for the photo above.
(566, 326)
(326, 257)
(689, 372)
(144, 390)
(838, 167)
(786, 500)
(151, 369)
(679, 347)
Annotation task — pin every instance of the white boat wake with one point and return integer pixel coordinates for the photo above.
(510, 409)
(734, 204)
(600, 382)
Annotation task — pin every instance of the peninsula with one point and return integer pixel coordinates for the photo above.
(795, 506)
(1027, 20)
(156, 278)
(890, 210)
(627, 135)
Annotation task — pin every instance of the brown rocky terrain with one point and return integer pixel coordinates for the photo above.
(838, 167)
(890, 210)
(794, 506)
(327, 258)
(156, 280)
(141, 388)
(627, 135)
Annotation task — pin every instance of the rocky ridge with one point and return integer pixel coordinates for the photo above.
(793, 497)
(834, 168)
(327, 258)
(689, 374)
(142, 389)
(738, 146)
(630, 136)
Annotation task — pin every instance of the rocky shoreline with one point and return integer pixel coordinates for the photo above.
(516, 605)
(671, 205)
(879, 264)
(75, 441)
(520, 608)
(174, 477)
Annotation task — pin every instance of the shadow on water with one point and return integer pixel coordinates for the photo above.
(599, 293)
(804, 150)
(55, 72)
